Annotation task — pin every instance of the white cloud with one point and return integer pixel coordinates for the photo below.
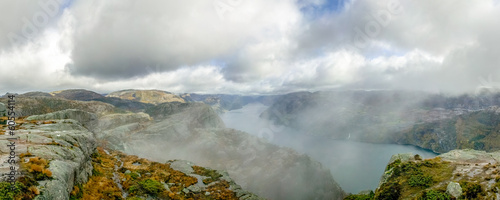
(253, 47)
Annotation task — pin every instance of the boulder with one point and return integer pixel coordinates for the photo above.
(454, 189)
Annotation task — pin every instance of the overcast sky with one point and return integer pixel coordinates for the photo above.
(249, 46)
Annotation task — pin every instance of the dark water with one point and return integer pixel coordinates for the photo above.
(354, 165)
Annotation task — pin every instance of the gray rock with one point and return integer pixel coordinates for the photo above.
(454, 189)
(194, 188)
(69, 156)
(87, 119)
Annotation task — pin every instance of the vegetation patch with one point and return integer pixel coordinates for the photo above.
(156, 180)
(38, 168)
(368, 196)
(434, 195)
(25, 188)
(410, 178)
(471, 190)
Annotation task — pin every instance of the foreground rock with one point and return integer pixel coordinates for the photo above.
(461, 174)
(195, 132)
(55, 154)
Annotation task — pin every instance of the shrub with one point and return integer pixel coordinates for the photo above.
(24, 188)
(420, 181)
(434, 195)
(471, 190)
(134, 175)
(38, 168)
(151, 186)
(369, 196)
(389, 191)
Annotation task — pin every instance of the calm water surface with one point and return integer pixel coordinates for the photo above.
(354, 165)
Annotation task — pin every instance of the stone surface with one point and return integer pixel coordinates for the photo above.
(454, 189)
(88, 120)
(66, 144)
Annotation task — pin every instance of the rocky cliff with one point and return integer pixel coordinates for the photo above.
(458, 174)
(57, 159)
(54, 155)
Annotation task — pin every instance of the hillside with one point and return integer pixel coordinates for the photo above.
(435, 122)
(147, 96)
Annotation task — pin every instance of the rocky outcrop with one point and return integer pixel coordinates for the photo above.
(461, 174)
(88, 120)
(196, 133)
(147, 96)
(65, 144)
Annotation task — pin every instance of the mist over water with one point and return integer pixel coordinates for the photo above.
(354, 165)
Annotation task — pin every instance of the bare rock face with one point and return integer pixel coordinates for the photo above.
(64, 144)
(87, 119)
(196, 133)
(147, 96)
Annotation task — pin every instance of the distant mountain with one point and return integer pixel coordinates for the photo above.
(77, 94)
(436, 122)
(223, 102)
(147, 96)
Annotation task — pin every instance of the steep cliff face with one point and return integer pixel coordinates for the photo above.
(147, 96)
(458, 174)
(475, 130)
(195, 132)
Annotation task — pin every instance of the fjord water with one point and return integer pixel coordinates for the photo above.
(354, 165)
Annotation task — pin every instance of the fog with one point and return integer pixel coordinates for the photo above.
(354, 165)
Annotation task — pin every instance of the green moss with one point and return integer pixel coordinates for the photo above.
(471, 190)
(134, 175)
(21, 189)
(420, 181)
(151, 186)
(434, 195)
